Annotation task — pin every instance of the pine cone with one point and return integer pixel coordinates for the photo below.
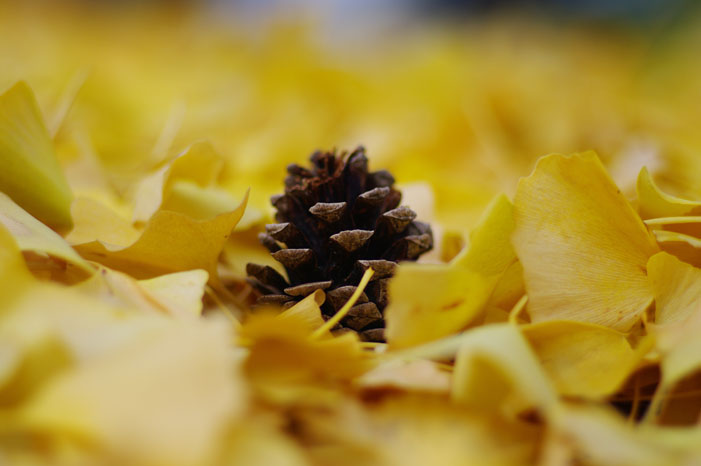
(334, 221)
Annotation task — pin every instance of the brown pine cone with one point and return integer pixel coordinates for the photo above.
(335, 220)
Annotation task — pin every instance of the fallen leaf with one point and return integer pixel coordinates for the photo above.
(170, 242)
(676, 286)
(179, 293)
(582, 359)
(459, 291)
(496, 371)
(418, 314)
(32, 235)
(176, 294)
(162, 399)
(654, 203)
(95, 221)
(199, 164)
(31, 175)
(583, 247)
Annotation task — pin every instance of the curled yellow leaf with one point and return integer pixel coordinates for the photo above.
(459, 291)
(170, 242)
(654, 203)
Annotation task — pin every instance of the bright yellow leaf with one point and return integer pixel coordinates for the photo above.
(583, 247)
(582, 359)
(418, 313)
(170, 242)
(458, 291)
(496, 371)
(283, 353)
(30, 173)
(490, 251)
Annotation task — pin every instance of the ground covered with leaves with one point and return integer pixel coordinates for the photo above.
(556, 321)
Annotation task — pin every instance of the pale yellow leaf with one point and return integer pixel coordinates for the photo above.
(411, 376)
(603, 437)
(496, 371)
(32, 235)
(179, 293)
(164, 398)
(94, 221)
(176, 294)
(677, 288)
(199, 164)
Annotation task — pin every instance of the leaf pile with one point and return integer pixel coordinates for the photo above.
(562, 329)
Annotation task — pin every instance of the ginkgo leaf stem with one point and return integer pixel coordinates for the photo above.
(329, 324)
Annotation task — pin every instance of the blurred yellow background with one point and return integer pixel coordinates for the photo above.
(466, 105)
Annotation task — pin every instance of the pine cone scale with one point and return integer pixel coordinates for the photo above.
(334, 221)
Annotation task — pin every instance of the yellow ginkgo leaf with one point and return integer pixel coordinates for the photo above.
(170, 242)
(32, 235)
(490, 251)
(654, 203)
(253, 443)
(94, 221)
(418, 314)
(179, 293)
(459, 290)
(307, 310)
(676, 291)
(508, 291)
(30, 173)
(178, 389)
(677, 288)
(583, 247)
(199, 164)
(191, 199)
(685, 247)
(582, 359)
(414, 376)
(496, 371)
(603, 437)
(680, 349)
(283, 351)
(176, 294)
(416, 430)
(14, 275)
